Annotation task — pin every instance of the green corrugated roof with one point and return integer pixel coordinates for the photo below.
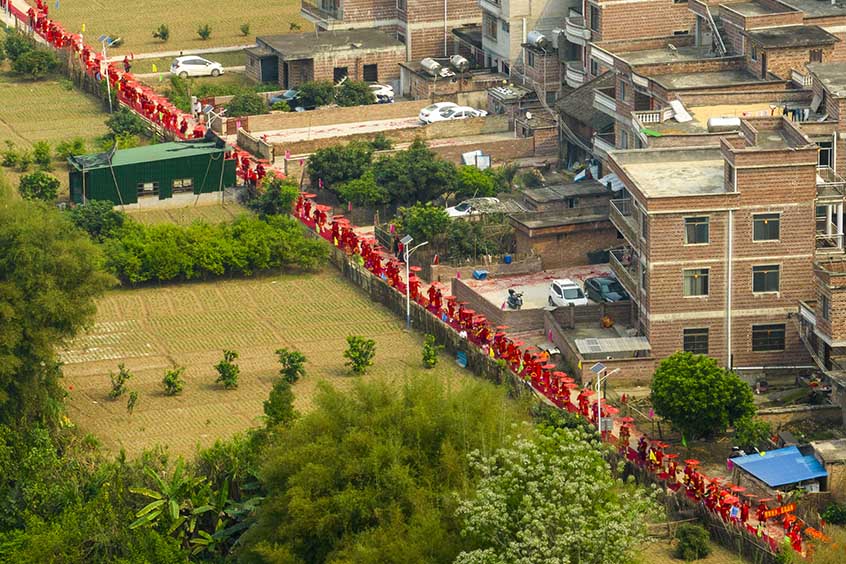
(149, 153)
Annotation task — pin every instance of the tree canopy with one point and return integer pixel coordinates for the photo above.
(339, 163)
(415, 174)
(370, 475)
(49, 278)
(699, 397)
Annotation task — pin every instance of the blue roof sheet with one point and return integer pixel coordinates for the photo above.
(782, 466)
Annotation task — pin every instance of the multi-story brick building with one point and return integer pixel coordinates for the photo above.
(424, 26)
(716, 260)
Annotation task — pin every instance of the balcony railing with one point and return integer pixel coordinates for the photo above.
(325, 11)
(492, 6)
(574, 75)
(653, 116)
(603, 100)
(829, 183)
(802, 80)
(621, 216)
(602, 143)
(829, 243)
(576, 31)
(624, 265)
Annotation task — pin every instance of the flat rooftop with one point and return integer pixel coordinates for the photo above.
(792, 36)
(831, 451)
(665, 173)
(664, 55)
(705, 79)
(832, 76)
(754, 9)
(701, 115)
(293, 46)
(559, 192)
(816, 8)
(545, 220)
(148, 154)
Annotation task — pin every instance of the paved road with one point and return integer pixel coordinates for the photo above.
(337, 130)
(237, 69)
(179, 52)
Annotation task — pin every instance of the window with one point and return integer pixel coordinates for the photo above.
(183, 185)
(506, 69)
(622, 91)
(570, 202)
(766, 227)
(695, 340)
(679, 1)
(765, 278)
(401, 37)
(768, 338)
(696, 230)
(550, 98)
(530, 58)
(506, 26)
(696, 282)
(339, 73)
(401, 5)
(729, 177)
(682, 32)
(594, 18)
(594, 67)
(643, 278)
(644, 226)
(825, 153)
(148, 188)
(489, 25)
(825, 307)
(816, 55)
(624, 140)
(753, 53)
(371, 73)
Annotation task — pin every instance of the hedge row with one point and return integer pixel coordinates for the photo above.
(137, 253)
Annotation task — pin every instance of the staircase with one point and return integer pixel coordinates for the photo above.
(716, 29)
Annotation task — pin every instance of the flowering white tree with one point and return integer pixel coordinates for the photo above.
(552, 499)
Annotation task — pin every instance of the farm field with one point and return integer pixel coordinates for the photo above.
(153, 328)
(185, 215)
(661, 552)
(227, 59)
(136, 21)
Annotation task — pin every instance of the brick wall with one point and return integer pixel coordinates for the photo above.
(781, 61)
(517, 321)
(568, 245)
(255, 146)
(648, 18)
(444, 272)
(387, 61)
(369, 10)
(333, 115)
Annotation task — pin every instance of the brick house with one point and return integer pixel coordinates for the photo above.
(715, 259)
(422, 26)
(294, 58)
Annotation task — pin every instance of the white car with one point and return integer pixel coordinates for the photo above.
(435, 108)
(565, 292)
(384, 93)
(191, 65)
(458, 112)
(471, 207)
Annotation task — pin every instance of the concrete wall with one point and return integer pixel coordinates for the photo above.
(517, 321)
(331, 115)
(255, 146)
(778, 416)
(443, 272)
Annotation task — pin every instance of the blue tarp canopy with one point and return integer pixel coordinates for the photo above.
(781, 467)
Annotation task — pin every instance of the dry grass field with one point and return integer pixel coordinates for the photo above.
(154, 328)
(136, 21)
(661, 552)
(210, 213)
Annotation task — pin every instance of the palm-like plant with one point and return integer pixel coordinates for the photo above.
(175, 503)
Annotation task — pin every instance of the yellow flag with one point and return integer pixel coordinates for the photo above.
(155, 68)
(580, 365)
(83, 28)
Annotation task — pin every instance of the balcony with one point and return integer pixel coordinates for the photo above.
(624, 265)
(802, 80)
(576, 31)
(604, 101)
(574, 74)
(602, 143)
(622, 217)
(830, 185)
(491, 6)
(325, 13)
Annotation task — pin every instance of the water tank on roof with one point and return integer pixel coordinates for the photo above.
(459, 63)
(718, 124)
(431, 66)
(537, 39)
(556, 34)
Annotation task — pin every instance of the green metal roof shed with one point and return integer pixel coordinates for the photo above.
(121, 176)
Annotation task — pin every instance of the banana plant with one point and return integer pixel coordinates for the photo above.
(175, 502)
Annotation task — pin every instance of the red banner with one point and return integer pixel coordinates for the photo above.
(813, 533)
(789, 508)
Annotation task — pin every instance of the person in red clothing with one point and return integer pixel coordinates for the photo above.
(127, 66)
(759, 513)
(744, 511)
(183, 126)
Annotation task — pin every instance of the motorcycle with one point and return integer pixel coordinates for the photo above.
(515, 299)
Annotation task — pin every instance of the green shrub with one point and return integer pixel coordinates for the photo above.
(25, 160)
(43, 154)
(10, 154)
(162, 33)
(227, 370)
(354, 93)
(204, 31)
(125, 121)
(381, 143)
(835, 513)
(359, 353)
(119, 381)
(36, 63)
(16, 45)
(692, 542)
(173, 382)
(246, 104)
(751, 432)
(245, 29)
(277, 198)
(430, 351)
(280, 106)
(317, 93)
(70, 148)
(39, 185)
(98, 218)
(293, 365)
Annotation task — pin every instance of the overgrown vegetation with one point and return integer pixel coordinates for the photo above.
(692, 542)
(246, 104)
(430, 351)
(40, 185)
(354, 93)
(162, 33)
(359, 354)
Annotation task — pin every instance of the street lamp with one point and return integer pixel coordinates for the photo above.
(107, 42)
(406, 241)
(599, 370)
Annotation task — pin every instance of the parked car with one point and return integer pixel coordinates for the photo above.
(565, 292)
(292, 97)
(384, 93)
(473, 206)
(191, 65)
(605, 289)
(458, 112)
(434, 108)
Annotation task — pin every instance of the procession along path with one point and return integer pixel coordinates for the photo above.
(182, 52)
(154, 328)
